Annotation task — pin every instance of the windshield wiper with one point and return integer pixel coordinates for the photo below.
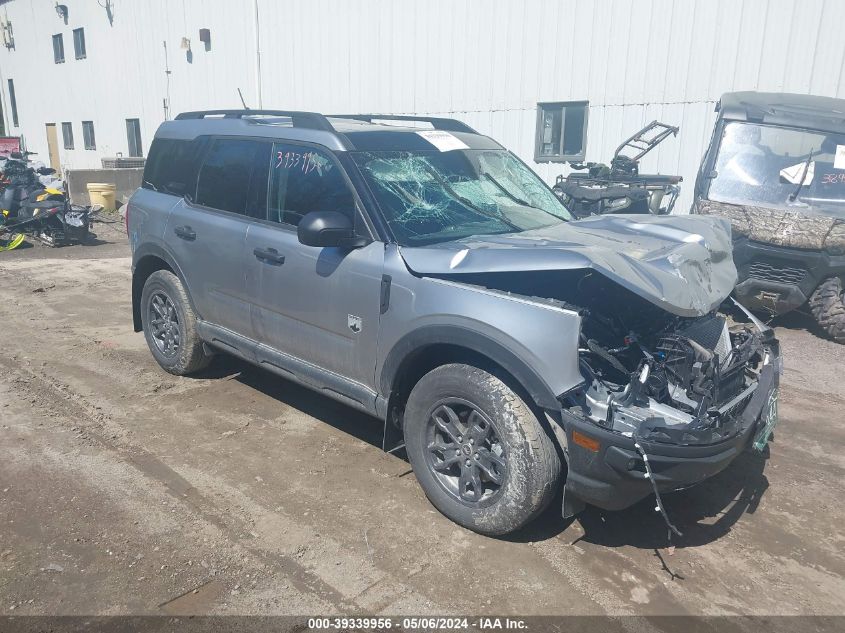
(795, 193)
(501, 188)
(448, 189)
(516, 199)
(150, 185)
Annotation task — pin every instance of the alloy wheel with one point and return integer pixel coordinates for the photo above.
(464, 452)
(164, 320)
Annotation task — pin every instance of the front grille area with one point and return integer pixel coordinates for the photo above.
(731, 384)
(706, 331)
(779, 274)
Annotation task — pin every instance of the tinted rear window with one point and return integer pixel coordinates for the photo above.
(172, 166)
(224, 180)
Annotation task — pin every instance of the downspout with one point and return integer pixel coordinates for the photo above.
(257, 57)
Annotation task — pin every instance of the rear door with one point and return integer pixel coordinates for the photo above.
(206, 231)
(319, 305)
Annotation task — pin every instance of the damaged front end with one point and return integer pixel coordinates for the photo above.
(666, 408)
(673, 389)
(687, 384)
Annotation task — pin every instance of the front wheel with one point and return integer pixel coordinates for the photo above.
(827, 304)
(478, 451)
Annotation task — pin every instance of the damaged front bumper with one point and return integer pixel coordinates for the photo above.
(606, 469)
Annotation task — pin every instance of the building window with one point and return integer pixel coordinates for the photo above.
(13, 103)
(133, 137)
(79, 43)
(88, 135)
(67, 134)
(561, 131)
(58, 49)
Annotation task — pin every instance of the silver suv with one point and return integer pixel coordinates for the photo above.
(418, 271)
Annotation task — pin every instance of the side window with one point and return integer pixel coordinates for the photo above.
(172, 166)
(225, 176)
(304, 180)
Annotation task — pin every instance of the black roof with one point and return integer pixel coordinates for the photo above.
(785, 109)
(341, 132)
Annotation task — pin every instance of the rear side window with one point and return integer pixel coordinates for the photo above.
(172, 166)
(303, 180)
(226, 174)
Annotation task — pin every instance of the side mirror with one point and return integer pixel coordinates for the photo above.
(328, 228)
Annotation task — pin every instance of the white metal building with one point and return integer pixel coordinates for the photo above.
(122, 66)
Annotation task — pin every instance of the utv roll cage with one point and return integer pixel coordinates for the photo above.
(810, 112)
(778, 109)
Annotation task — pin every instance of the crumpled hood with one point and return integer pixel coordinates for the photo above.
(780, 227)
(682, 264)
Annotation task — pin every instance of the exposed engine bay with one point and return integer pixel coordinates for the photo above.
(687, 383)
(650, 374)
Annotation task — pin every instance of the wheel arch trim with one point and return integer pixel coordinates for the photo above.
(413, 343)
(144, 253)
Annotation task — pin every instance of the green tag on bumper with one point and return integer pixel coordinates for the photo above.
(768, 421)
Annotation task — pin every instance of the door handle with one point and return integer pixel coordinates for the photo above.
(185, 232)
(269, 255)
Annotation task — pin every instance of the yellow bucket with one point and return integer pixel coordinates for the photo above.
(102, 193)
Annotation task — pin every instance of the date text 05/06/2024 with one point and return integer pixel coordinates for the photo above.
(427, 623)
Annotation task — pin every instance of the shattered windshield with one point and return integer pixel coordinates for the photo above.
(785, 168)
(432, 196)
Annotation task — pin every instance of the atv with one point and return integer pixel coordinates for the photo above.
(620, 187)
(775, 167)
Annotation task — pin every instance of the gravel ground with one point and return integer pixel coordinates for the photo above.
(124, 490)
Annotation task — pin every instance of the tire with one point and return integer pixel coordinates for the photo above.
(827, 304)
(170, 325)
(514, 448)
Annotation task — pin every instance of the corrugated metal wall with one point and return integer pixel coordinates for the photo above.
(488, 63)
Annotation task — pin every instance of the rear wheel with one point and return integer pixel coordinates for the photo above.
(479, 452)
(827, 304)
(170, 325)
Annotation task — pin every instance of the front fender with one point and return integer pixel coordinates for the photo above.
(535, 341)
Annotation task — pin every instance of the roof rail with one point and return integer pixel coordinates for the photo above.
(310, 120)
(438, 123)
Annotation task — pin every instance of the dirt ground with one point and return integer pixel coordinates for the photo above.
(126, 490)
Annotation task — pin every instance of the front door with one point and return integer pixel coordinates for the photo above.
(53, 147)
(319, 305)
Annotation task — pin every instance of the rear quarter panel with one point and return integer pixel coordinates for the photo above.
(149, 212)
